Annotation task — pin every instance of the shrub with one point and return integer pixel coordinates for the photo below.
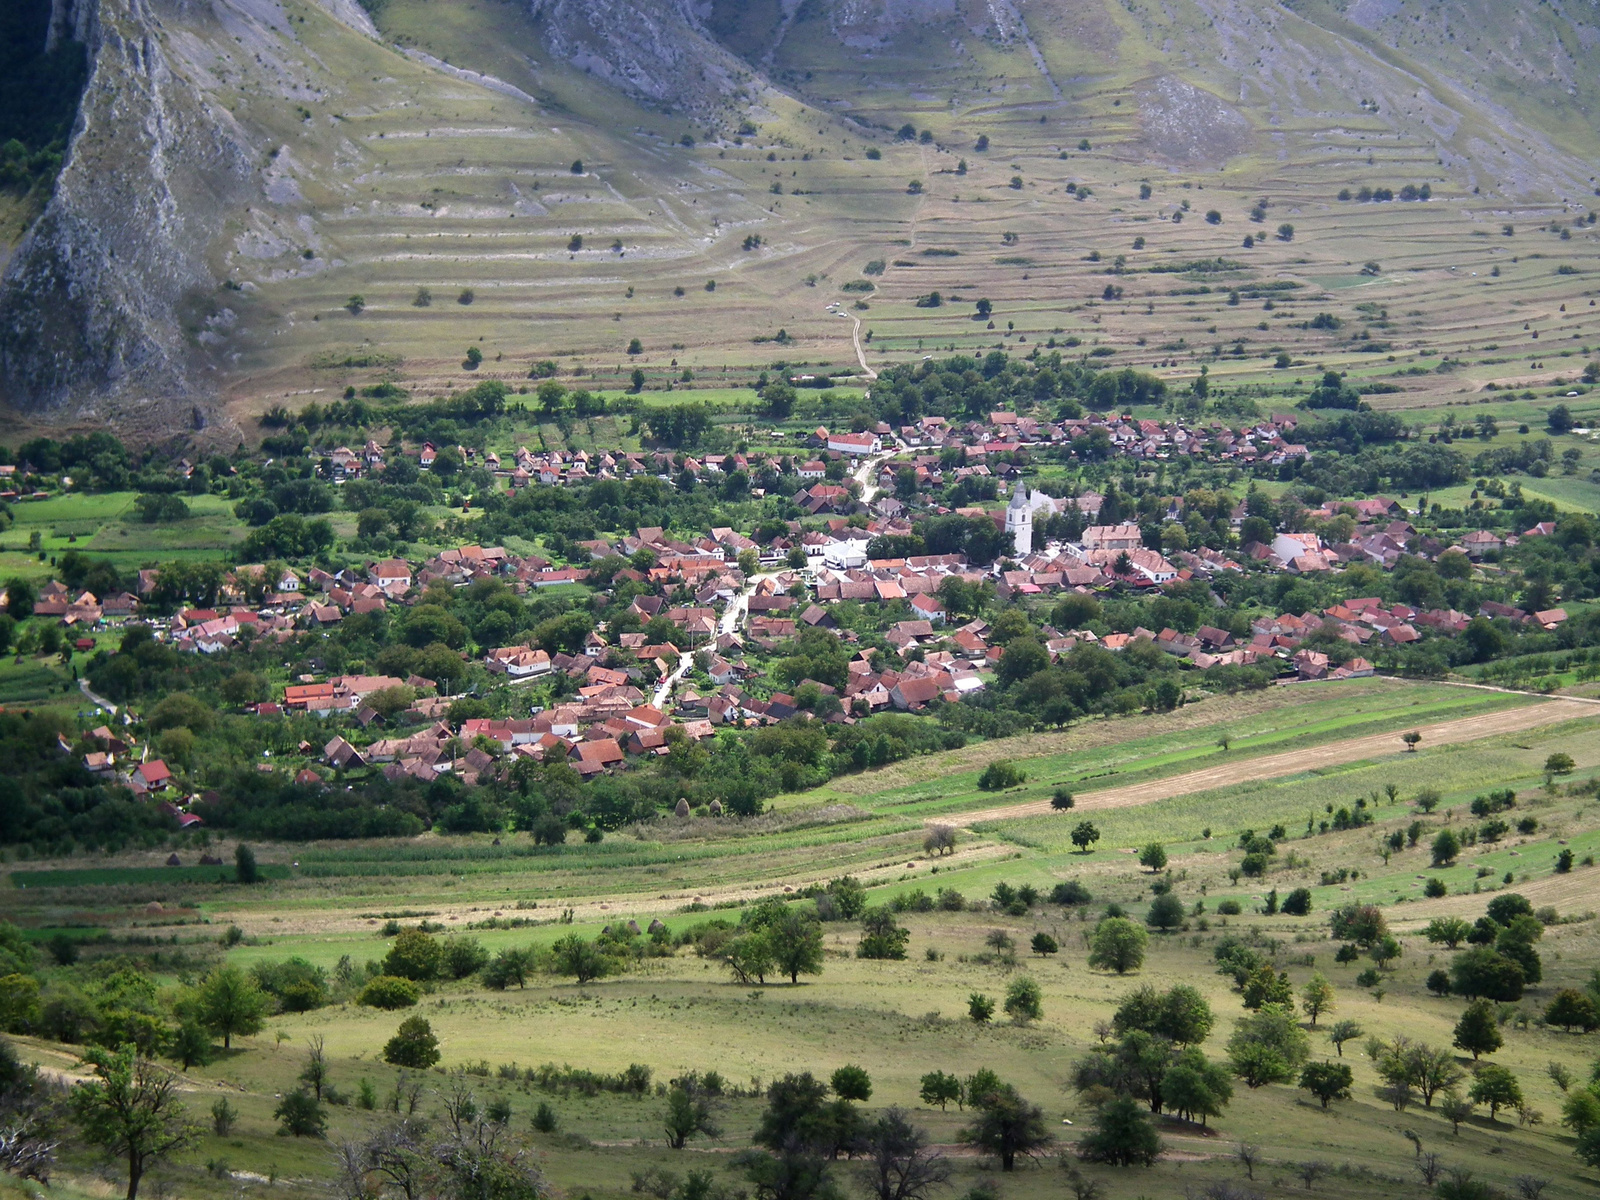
(1070, 892)
(413, 1045)
(388, 991)
(1024, 1000)
(1435, 887)
(1298, 902)
(300, 1114)
(1061, 800)
(999, 775)
(1166, 912)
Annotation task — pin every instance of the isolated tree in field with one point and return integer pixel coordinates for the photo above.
(230, 1004)
(508, 967)
(1497, 1087)
(1411, 738)
(244, 864)
(130, 1110)
(1268, 1047)
(1455, 1108)
(1024, 1000)
(1327, 1081)
(980, 1007)
(413, 1045)
(939, 1088)
(1166, 912)
(1446, 848)
(941, 840)
(1044, 944)
(1153, 856)
(1006, 1125)
(689, 1112)
(796, 942)
(1571, 1007)
(1123, 1135)
(1341, 1032)
(1316, 997)
(1118, 945)
(897, 1162)
(851, 1083)
(1061, 800)
(1085, 835)
(1477, 1032)
(1559, 764)
(299, 1114)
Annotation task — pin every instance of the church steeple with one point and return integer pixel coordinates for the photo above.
(1019, 521)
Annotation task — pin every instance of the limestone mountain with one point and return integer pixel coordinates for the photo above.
(254, 198)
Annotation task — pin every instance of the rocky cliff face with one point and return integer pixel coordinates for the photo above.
(93, 300)
(659, 52)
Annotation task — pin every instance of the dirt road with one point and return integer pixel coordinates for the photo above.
(1291, 762)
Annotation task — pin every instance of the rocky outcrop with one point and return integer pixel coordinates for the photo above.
(658, 51)
(94, 301)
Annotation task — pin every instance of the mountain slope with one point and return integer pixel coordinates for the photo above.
(550, 179)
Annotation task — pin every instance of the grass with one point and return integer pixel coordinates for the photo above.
(899, 1019)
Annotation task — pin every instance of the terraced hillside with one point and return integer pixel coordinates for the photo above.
(445, 178)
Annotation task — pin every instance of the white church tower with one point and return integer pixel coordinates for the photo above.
(1019, 522)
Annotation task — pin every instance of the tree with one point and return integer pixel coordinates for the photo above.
(1267, 1047)
(413, 1045)
(1580, 1111)
(1446, 848)
(851, 1083)
(1482, 971)
(1477, 1032)
(1497, 1087)
(1559, 764)
(1266, 986)
(579, 957)
(1180, 1014)
(796, 941)
(689, 1111)
(1123, 1135)
(980, 1007)
(315, 1073)
(300, 1114)
(1024, 1000)
(1043, 944)
(939, 1088)
(1455, 1108)
(1118, 945)
(1327, 1081)
(1166, 912)
(1153, 856)
(1316, 997)
(230, 1003)
(1006, 1125)
(1341, 1032)
(1411, 739)
(1451, 931)
(881, 937)
(1085, 835)
(414, 955)
(131, 1111)
(191, 1045)
(897, 1161)
(1571, 1007)
(1195, 1087)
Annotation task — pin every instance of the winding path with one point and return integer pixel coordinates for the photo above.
(1228, 773)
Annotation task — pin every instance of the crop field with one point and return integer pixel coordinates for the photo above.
(902, 1019)
(106, 526)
